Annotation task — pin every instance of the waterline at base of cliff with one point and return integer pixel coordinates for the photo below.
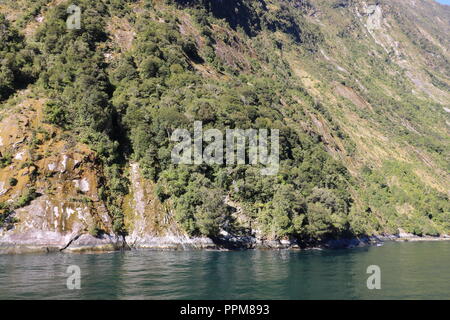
(47, 242)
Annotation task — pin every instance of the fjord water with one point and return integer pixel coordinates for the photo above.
(419, 270)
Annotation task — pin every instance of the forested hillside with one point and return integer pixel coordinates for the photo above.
(360, 91)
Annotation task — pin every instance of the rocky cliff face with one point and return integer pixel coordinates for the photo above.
(367, 81)
(65, 208)
(66, 213)
(151, 224)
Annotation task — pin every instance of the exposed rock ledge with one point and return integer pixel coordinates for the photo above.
(41, 242)
(47, 241)
(170, 242)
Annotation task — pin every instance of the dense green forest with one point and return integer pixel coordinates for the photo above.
(125, 108)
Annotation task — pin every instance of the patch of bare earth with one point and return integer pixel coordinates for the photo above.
(121, 36)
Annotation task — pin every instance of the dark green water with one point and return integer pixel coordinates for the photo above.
(408, 271)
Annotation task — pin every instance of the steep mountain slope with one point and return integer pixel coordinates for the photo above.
(359, 91)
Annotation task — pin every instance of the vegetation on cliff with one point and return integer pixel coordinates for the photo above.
(363, 132)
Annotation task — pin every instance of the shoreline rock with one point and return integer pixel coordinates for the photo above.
(85, 243)
(170, 242)
(46, 242)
